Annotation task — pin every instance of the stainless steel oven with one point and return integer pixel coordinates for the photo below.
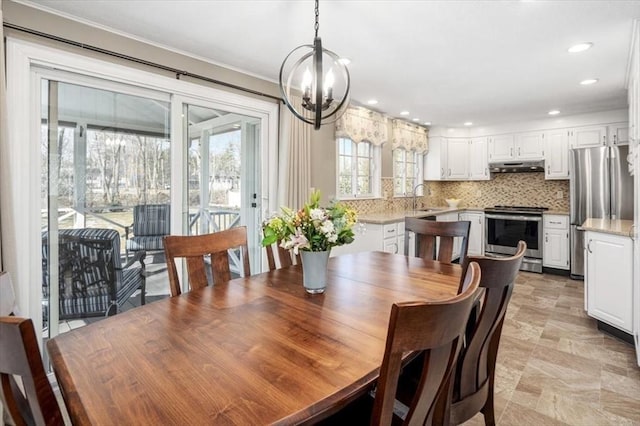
(506, 225)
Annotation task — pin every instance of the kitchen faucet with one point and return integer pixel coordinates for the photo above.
(415, 188)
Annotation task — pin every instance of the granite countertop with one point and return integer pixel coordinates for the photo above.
(558, 212)
(609, 226)
(395, 216)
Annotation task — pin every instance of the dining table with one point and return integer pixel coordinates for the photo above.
(255, 350)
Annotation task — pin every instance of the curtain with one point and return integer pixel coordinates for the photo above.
(3, 110)
(409, 136)
(361, 124)
(294, 158)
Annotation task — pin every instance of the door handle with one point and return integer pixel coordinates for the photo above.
(589, 246)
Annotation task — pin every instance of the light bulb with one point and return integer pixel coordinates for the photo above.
(329, 79)
(306, 80)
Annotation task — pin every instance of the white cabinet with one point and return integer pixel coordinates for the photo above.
(458, 159)
(436, 159)
(556, 148)
(387, 237)
(608, 279)
(457, 242)
(588, 136)
(501, 148)
(618, 133)
(476, 233)
(478, 159)
(555, 251)
(529, 146)
(393, 237)
(523, 146)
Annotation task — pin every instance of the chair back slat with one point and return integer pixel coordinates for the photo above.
(426, 232)
(475, 371)
(196, 248)
(20, 356)
(434, 327)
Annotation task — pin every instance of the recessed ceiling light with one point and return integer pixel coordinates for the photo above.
(580, 47)
(468, 123)
(344, 61)
(554, 112)
(416, 119)
(372, 102)
(404, 113)
(589, 81)
(427, 123)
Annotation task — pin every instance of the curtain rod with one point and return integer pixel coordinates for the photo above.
(176, 71)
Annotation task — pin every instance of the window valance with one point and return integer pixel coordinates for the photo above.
(409, 136)
(362, 125)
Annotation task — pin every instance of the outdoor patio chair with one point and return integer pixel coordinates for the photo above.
(151, 223)
(93, 281)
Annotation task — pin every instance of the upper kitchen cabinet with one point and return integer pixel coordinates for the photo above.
(618, 133)
(523, 146)
(436, 159)
(501, 148)
(458, 159)
(478, 159)
(588, 136)
(556, 148)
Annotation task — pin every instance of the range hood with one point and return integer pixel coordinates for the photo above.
(517, 167)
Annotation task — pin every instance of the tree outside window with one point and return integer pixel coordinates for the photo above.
(407, 171)
(357, 168)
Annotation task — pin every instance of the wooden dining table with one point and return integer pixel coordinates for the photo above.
(257, 350)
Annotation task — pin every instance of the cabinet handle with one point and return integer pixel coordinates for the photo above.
(510, 152)
(604, 139)
(548, 170)
(396, 244)
(442, 171)
(546, 238)
(390, 230)
(589, 246)
(449, 172)
(486, 171)
(555, 223)
(519, 150)
(615, 139)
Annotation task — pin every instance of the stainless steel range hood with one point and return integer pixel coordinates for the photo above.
(517, 167)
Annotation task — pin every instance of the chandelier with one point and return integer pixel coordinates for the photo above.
(322, 79)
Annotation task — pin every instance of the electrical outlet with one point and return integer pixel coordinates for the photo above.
(559, 195)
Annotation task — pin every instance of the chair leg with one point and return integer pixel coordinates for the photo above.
(488, 411)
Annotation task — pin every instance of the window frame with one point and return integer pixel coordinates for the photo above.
(418, 176)
(374, 170)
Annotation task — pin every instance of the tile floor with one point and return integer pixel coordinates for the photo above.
(555, 368)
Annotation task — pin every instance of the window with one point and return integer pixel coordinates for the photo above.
(407, 171)
(358, 170)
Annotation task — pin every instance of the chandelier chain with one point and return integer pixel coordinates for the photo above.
(317, 26)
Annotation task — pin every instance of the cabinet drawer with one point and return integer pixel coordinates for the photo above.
(556, 222)
(389, 230)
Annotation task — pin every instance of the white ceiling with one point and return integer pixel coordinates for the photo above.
(446, 62)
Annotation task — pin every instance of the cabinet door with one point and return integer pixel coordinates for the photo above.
(529, 146)
(588, 136)
(458, 159)
(555, 253)
(436, 159)
(609, 279)
(478, 159)
(476, 233)
(412, 244)
(556, 154)
(501, 148)
(457, 242)
(619, 133)
(391, 245)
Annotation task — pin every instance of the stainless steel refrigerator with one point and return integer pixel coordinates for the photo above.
(600, 187)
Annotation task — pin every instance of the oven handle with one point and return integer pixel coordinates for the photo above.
(514, 217)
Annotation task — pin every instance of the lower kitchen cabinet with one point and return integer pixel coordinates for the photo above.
(457, 242)
(555, 251)
(608, 279)
(387, 237)
(476, 233)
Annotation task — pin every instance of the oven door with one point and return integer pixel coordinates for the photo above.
(503, 231)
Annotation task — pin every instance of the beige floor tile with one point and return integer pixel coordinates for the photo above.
(516, 414)
(574, 411)
(621, 405)
(522, 330)
(622, 385)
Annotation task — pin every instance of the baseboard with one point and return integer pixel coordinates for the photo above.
(615, 332)
(556, 271)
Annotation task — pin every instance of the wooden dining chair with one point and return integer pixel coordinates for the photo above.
(283, 256)
(195, 249)
(428, 231)
(437, 329)
(473, 382)
(34, 403)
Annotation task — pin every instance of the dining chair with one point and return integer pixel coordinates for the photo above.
(428, 231)
(473, 382)
(196, 248)
(33, 403)
(284, 257)
(436, 328)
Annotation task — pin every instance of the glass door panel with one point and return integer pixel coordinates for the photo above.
(105, 158)
(223, 170)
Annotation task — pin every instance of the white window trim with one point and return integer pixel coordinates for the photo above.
(419, 165)
(375, 177)
(20, 185)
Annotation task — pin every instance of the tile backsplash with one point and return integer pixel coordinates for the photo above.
(515, 189)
